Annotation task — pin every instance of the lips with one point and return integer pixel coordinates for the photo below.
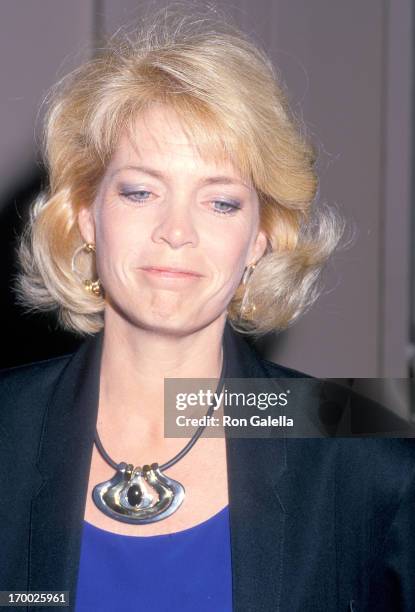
(170, 271)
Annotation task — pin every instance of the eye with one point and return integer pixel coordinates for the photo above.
(139, 195)
(222, 207)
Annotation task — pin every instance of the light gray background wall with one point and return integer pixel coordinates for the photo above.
(39, 42)
(348, 67)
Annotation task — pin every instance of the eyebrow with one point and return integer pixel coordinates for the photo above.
(209, 180)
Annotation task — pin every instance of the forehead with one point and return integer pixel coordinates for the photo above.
(159, 138)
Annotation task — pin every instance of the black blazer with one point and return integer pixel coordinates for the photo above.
(317, 525)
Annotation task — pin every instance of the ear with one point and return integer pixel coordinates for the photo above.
(258, 248)
(86, 224)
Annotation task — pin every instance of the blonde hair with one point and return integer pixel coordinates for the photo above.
(227, 95)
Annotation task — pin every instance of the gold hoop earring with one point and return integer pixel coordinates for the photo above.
(247, 274)
(92, 286)
(248, 307)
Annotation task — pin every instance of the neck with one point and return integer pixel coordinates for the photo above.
(134, 364)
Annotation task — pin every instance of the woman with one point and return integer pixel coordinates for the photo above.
(179, 214)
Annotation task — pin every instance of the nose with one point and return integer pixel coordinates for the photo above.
(175, 227)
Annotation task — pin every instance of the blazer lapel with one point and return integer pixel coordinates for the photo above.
(257, 515)
(255, 467)
(64, 460)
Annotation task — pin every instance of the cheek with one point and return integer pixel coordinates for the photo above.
(228, 253)
(116, 232)
(117, 241)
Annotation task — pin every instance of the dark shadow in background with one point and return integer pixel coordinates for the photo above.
(25, 337)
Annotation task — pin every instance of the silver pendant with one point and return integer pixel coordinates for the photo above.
(138, 495)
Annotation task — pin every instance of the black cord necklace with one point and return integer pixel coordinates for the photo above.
(144, 494)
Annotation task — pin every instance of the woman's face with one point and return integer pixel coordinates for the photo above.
(160, 205)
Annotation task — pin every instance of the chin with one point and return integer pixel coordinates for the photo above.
(163, 319)
(163, 322)
(179, 325)
(169, 328)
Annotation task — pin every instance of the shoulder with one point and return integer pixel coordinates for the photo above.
(25, 391)
(32, 374)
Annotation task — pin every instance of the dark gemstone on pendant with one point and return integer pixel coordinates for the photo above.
(134, 495)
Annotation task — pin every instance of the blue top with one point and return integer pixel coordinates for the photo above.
(187, 570)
